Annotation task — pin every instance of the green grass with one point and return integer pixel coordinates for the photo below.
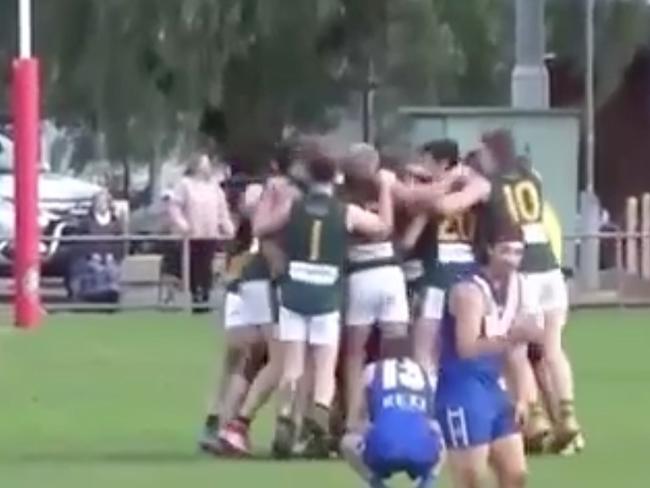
(117, 400)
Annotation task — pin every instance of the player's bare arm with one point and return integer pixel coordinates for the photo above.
(252, 197)
(474, 189)
(271, 216)
(413, 231)
(420, 196)
(274, 207)
(516, 364)
(467, 305)
(379, 225)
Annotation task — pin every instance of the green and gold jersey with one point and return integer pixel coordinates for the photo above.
(315, 243)
(517, 196)
(454, 237)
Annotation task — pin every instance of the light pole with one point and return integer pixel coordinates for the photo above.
(369, 90)
(589, 204)
(529, 82)
(589, 94)
(26, 117)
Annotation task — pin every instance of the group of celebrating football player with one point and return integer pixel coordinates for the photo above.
(394, 311)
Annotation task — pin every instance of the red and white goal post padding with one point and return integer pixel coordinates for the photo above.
(26, 117)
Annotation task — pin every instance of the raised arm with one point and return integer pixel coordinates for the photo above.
(273, 211)
(475, 189)
(443, 198)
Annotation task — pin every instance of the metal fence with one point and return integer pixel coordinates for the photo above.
(144, 281)
(622, 269)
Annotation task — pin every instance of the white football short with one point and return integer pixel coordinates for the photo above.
(376, 296)
(316, 330)
(544, 292)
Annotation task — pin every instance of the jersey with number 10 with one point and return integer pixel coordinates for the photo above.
(517, 196)
(315, 245)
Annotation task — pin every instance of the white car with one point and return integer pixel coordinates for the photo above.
(62, 200)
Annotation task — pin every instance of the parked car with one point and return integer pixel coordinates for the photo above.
(62, 201)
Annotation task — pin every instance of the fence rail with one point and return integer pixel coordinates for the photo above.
(624, 281)
(159, 283)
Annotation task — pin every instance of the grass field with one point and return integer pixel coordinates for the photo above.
(117, 401)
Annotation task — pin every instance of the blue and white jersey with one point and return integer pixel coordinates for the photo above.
(401, 437)
(399, 392)
(497, 321)
(472, 407)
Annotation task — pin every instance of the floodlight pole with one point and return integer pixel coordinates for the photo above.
(589, 204)
(529, 83)
(589, 94)
(26, 117)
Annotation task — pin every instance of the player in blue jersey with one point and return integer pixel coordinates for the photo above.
(483, 339)
(393, 431)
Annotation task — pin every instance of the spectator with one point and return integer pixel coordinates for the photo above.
(171, 250)
(95, 271)
(199, 210)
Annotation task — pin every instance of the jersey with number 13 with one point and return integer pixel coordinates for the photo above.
(400, 392)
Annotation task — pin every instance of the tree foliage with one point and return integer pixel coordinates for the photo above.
(142, 74)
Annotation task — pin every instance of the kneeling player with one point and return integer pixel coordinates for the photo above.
(402, 436)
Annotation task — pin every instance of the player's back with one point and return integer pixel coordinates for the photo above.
(517, 197)
(401, 437)
(465, 375)
(400, 405)
(315, 245)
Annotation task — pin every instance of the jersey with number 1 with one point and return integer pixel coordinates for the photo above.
(315, 245)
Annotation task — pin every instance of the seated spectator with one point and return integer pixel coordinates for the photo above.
(95, 271)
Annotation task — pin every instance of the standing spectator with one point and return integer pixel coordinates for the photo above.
(95, 272)
(199, 210)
